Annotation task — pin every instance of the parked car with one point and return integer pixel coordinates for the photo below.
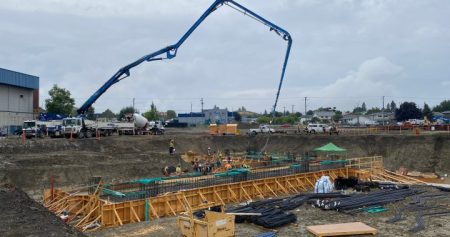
(261, 129)
(318, 128)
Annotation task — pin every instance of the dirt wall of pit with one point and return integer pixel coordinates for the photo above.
(30, 165)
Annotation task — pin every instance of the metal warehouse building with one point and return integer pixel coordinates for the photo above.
(19, 99)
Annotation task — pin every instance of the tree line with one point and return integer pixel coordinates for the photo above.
(60, 101)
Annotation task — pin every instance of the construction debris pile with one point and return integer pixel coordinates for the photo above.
(273, 212)
(359, 202)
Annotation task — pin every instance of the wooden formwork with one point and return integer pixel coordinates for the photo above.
(86, 210)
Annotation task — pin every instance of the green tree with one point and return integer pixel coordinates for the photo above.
(310, 112)
(363, 107)
(358, 110)
(443, 106)
(407, 110)
(388, 107)
(337, 116)
(60, 101)
(393, 106)
(373, 110)
(171, 114)
(278, 114)
(426, 112)
(315, 120)
(90, 113)
(298, 114)
(108, 114)
(263, 120)
(125, 111)
(152, 114)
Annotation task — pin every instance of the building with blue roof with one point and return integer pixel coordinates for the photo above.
(19, 99)
(207, 116)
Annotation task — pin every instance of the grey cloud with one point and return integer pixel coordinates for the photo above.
(231, 60)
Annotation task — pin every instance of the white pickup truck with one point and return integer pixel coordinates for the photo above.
(261, 129)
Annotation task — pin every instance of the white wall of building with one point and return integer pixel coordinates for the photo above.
(16, 105)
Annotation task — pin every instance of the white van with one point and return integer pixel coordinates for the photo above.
(318, 128)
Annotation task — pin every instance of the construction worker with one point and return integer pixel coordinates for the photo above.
(166, 171)
(171, 146)
(64, 216)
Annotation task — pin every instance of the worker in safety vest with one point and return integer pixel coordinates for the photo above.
(178, 170)
(171, 146)
(64, 216)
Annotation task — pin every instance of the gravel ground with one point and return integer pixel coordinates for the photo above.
(307, 215)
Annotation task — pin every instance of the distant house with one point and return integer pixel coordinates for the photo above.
(306, 118)
(217, 115)
(248, 116)
(191, 118)
(382, 118)
(214, 115)
(357, 119)
(324, 114)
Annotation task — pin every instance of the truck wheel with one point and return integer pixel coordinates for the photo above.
(88, 134)
(80, 135)
(254, 133)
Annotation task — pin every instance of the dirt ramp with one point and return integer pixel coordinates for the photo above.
(21, 216)
(32, 172)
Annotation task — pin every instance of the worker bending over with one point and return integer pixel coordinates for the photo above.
(171, 147)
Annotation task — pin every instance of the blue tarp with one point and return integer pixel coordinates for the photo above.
(50, 116)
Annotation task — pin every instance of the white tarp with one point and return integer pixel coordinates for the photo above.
(324, 185)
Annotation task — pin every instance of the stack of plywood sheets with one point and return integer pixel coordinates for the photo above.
(353, 228)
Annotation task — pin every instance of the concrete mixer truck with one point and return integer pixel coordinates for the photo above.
(137, 124)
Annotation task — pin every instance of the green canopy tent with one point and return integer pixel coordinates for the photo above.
(330, 147)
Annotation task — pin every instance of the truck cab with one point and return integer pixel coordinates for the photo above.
(261, 129)
(32, 128)
(156, 127)
(77, 127)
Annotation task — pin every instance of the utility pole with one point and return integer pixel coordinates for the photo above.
(305, 106)
(201, 102)
(293, 109)
(382, 111)
(284, 110)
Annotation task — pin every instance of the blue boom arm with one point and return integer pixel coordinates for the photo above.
(170, 51)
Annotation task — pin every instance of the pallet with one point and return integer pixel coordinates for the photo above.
(352, 228)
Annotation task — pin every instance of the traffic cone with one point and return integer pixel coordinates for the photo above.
(97, 134)
(23, 136)
(71, 135)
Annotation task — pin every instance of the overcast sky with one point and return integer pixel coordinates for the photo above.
(344, 52)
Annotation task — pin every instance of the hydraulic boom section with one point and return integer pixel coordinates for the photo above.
(170, 51)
